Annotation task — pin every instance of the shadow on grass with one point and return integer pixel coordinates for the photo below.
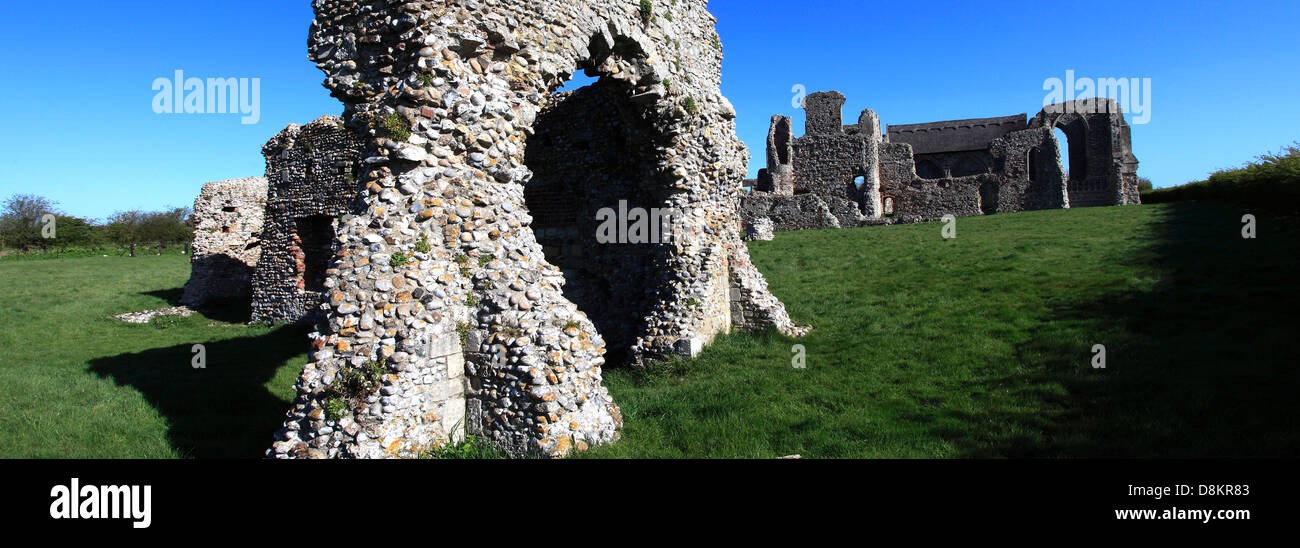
(239, 311)
(222, 411)
(1202, 363)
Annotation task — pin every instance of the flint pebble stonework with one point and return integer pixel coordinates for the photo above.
(227, 227)
(444, 312)
(312, 182)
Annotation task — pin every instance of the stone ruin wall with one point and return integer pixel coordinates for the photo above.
(312, 181)
(448, 94)
(227, 224)
(921, 172)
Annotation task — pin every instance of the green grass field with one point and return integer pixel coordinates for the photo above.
(979, 346)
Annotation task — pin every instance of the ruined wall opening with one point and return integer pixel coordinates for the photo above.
(928, 169)
(1063, 145)
(888, 206)
(783, 133)
(971, 164)
(1031, 164)
(313, 247)
(594, 194)
(989, 198)
(1072, 140)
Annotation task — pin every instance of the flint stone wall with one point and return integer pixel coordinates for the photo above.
(312, 181)
(921, 172)
(227, 226)
(451, 92)
(802, 212)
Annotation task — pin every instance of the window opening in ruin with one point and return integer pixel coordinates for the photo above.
(969, 165)
(1031, 163)
(859, 181)
(927, 169)
(1063, 143)
(616, 171)
(230, 209)
(889, 206)
(314, 239)
(783, 134)
(989, 198)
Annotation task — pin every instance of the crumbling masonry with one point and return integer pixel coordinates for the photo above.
(467, 291)
(851, 175)
(312, 175)
(227, 228)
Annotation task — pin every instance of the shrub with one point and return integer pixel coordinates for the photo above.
(1272, 181)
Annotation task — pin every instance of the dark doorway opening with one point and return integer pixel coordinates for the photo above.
(314, 239)
(592, 154)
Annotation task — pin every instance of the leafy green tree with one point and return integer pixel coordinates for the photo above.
(20, 221)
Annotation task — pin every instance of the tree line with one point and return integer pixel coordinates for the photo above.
(31, 223)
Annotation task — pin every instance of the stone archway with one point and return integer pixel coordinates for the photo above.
(441, 271)
(592, 154)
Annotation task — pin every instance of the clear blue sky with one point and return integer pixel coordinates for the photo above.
(79, 128)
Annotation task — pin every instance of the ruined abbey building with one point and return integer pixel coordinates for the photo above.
(466, 290)
(851, 175)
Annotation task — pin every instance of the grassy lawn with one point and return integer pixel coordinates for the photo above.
(924, 347)
(76, 383)
(981, 346)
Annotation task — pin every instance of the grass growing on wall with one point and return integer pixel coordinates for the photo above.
(924, 347)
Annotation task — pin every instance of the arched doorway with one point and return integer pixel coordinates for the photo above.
(594, 162)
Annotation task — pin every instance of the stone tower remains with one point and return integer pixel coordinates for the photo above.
(470, 291)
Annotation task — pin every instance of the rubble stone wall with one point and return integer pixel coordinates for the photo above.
(921, 172)
(440, 261)
(312, 181)
(227, 227)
